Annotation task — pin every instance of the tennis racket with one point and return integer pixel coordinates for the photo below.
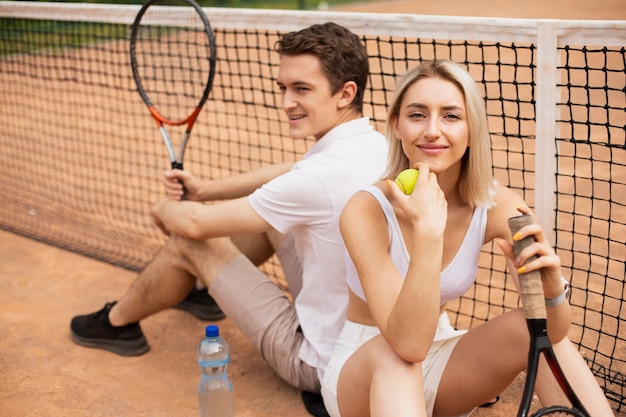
(173, 65)
(533, 304)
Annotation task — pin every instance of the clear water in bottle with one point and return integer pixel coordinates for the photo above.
(215, 391)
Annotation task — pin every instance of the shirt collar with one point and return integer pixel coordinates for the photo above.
(340, 132)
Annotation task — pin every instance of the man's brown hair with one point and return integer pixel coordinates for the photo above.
(342, 55)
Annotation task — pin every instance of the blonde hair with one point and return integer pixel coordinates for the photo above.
(476, 184)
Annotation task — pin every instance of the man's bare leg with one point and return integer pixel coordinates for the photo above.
(162, 284)
(169, 277)
(199, 302)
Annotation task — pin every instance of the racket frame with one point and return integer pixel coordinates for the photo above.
(160, 120)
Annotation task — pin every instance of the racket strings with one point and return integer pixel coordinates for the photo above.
(173, 61)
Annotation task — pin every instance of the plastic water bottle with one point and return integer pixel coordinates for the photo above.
(215, 391)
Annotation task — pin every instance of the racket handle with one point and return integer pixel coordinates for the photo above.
(179, 165)
(531, 288)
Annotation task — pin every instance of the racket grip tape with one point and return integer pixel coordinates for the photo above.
(531, 287)
(179, 165)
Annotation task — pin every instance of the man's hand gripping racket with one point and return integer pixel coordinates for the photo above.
(173, 66)
(533, 303)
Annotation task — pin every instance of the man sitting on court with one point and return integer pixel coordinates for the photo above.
(291, 210)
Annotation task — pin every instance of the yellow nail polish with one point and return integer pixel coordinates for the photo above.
(521, 270)
(388, 182)
(517, 236)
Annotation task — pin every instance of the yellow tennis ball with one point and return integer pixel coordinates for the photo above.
(406, 180)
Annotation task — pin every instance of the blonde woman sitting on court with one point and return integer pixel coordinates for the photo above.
(398, 354)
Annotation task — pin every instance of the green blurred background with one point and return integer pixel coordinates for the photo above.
(260, 4)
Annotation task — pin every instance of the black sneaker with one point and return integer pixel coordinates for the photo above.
(94, 330)
(199, 303)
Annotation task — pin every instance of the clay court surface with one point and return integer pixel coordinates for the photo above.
(44, 374)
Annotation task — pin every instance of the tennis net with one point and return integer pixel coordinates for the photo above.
(81, 160)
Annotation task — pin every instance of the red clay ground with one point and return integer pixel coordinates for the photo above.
(43, 374)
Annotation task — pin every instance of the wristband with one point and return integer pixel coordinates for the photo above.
(559, 299)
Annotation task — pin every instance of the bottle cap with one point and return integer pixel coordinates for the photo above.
(212, 331)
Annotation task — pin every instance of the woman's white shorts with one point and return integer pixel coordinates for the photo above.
(354, 335)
